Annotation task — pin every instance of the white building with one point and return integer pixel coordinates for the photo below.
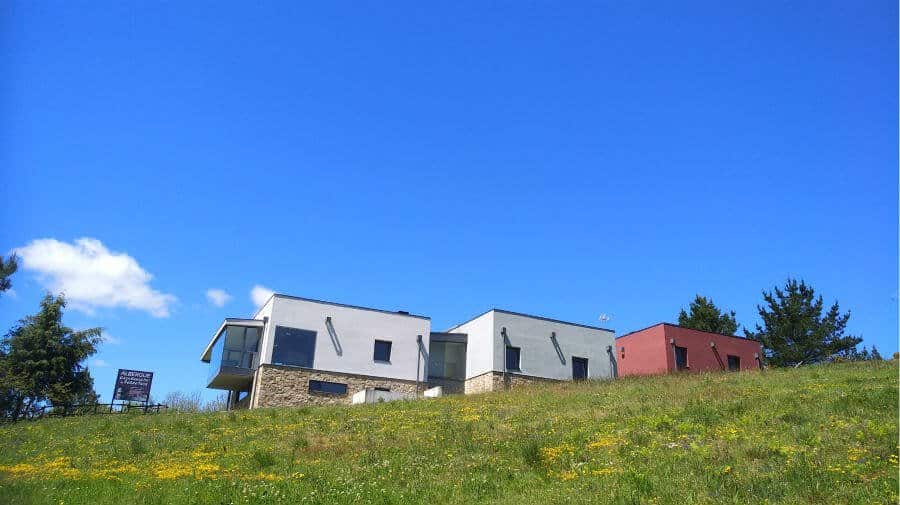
(298, 351)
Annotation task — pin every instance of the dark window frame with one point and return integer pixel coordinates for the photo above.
(586, 369)
(279, 360)
(390, 346)
(319, 387)
(518, 360)
(687, 364)
(737, 368)
(434, 372)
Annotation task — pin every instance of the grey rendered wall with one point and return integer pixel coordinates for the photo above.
(539, 356)
(480, 346)
(349, 349)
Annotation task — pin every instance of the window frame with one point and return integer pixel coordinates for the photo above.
(308, 333)
(587, 370)
(440, 372)
(319, 391)
(687, 363)
(518, 350)
(728, 358)
(390, 347)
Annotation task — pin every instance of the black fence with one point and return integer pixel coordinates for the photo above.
(86, 409)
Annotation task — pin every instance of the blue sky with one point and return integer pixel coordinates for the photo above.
(564, 159)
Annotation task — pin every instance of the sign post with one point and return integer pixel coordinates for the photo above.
(133, 386)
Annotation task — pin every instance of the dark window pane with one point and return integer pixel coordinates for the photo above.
(734, 363)
(234, 337)
(513, 355)
(251, 339)
(681, 358)
(382, 350)
(294, 347)
(447, 360)
(579, 368)
(332, 388)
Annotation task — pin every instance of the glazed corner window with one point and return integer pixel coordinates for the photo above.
(383, 351)
(447, 360)
(513, 356)
(293, 347)
(328, 388)
(734, 363)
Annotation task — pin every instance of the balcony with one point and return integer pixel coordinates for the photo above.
(233, 354)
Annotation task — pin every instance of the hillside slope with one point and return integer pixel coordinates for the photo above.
(824, 434)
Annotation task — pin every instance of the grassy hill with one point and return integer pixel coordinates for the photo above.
(823, 434)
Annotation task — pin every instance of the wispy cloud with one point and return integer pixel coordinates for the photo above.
(217, 297)
(98, 363)
(91, 276)
(260, 294)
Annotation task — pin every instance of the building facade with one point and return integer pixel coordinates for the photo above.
(665, 348)
(298, 351)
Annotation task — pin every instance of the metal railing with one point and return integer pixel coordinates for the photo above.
(85, 409)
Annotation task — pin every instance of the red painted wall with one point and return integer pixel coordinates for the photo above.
(644, 354)
(648, 351)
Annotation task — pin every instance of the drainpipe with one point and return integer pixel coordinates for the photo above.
(418, 361)
(674, 354)
(718, 357)
(612, 359)
(505, 344)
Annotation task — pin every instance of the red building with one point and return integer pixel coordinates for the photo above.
(665, 348)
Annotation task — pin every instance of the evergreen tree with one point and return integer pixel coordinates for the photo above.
(7, 268)
(794, 329)
(876, 356)
(41, 361)
(705, 316)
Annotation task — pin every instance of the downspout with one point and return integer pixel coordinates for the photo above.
(718, 356)
(674, 355)
(612, 359)
(418, 361)
(505, 344)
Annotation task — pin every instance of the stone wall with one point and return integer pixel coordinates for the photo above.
(497, 381)
(281, 386)
(450, 386)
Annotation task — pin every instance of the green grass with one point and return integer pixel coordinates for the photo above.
(824, 434)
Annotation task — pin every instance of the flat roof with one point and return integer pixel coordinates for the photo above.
(336, 304)
(531, 316)
(235, 321)
(686, 328)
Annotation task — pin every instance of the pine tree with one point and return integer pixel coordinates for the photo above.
(794, 329)
(41, 361)
(7, 268)
(705, 316)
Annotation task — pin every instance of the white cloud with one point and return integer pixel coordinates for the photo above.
(217, 297)
(92, 276)
(98, 363)
(260, 295)
(106, 338)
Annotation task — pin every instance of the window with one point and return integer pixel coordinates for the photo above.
(579, 368)
(447, 360)
(239, 346)
(293, 347)
(734, 363)
(513, 357)
(681, 362)
(383, 351)
(328, 388)
(384, 390)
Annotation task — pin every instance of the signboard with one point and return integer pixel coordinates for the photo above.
(133, 386)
